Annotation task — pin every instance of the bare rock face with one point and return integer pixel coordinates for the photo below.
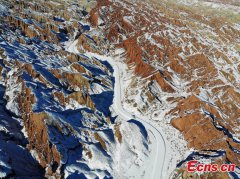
(161, 80)
(94, 18)
(37, 131)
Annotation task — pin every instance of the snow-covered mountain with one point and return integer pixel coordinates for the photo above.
(56, 97)
(118, 89)
(182, 72)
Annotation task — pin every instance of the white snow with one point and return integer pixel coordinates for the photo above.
(3, 9)
(12, 90)
(156, 164)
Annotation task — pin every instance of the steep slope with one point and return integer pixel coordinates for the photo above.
(57, 113)
(118, 89)
(183, 70)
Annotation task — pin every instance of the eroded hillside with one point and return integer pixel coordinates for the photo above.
(180, 67)
(56, 97)
(187, 55)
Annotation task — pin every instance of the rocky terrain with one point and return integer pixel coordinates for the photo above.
(186, 54)
(55, 103)
(180, 63)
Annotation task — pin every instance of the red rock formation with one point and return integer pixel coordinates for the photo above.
(94, 16)
(198, 129)
(37, 132)
(162, 82)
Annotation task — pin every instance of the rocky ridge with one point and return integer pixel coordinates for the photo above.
(183, 73)
(187, 56)
(60, 96)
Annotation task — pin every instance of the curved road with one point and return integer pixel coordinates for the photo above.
(157, 156)
(155, 170)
